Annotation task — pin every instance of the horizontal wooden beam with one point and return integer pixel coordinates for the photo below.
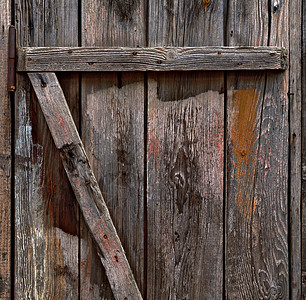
(56, 59)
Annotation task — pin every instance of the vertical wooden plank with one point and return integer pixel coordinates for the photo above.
(5, 157)
(185, 159)
(295, 106)
(304, 153)
(46, 211)
(258, 131)
(112, 132)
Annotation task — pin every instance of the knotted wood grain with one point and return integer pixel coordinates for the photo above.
(257, 265)
(152, 59)
(185, 158)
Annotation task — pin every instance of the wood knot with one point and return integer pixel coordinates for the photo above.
(243, 152)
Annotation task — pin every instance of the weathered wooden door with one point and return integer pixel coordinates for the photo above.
(200, 170)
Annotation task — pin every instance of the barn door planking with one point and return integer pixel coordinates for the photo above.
(257, 178)
(113, 135)
(46, 264)
(5, 159)
(185, 159)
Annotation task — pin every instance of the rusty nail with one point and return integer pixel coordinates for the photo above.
(87, 182)
(116, 258)
(219, 52)
(29, 59)
(105, 236)
(90, 63)
(243, 153)
(134, 53)
(239, 64)
(272, 53)
(159, 61)
(69, 51)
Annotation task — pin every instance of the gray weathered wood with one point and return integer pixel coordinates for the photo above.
(257, 177)
(185, 159)
(304, 155)
(151, 59)
(295, 101)
(46, 211)
(84, 184)
(5, 158)
(113, 128)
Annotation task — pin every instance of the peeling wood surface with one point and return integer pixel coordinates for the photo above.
(295, 113)
(84, 184)
(115, 101)
(185, 159)
(47, 230)
(5, 158)
(257, 160)
(152, 59)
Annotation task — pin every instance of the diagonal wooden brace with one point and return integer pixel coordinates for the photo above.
(84, 184)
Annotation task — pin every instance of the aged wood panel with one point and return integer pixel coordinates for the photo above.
(46, 211)
(185, 159)
(84, 184)
(304, 153)
(115, 101)
(5, 157)
(151, 59)
(257, 155)
(295, 107)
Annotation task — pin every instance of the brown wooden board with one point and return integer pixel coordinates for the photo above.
(185, 167)
(5, 157)
(295, 111)
(47, 252)
(257, 160)
(112, 131)
(151, 59)
(85, 186)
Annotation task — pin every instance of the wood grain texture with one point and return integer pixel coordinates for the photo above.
(116, 154)
(295, 106)
(84, 184)
(151, 59)
(185, 159)
(47, 221)
(5, 158)
(304, 154)
(257, 160)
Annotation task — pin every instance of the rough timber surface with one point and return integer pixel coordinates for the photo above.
(151, 59)
(295, 105)
(257, 159)
(84, 184)
(304, 155)
(5, 158)
(115, 101)
(47, 252)
(185, 159)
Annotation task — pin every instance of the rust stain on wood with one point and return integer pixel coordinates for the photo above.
(243, 140)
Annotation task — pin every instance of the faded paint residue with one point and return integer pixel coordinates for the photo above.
(243, 143)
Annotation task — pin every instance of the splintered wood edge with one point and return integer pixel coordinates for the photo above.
(83, 59)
